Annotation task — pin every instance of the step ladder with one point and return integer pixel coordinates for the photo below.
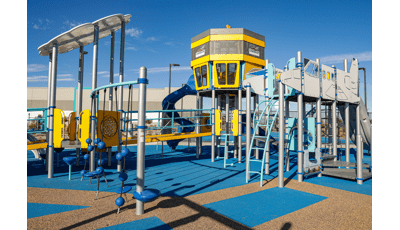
(256, 124)
(225, 137)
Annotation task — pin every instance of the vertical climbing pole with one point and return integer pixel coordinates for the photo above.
(300, 107)
(248, 126)
(281, 134)
(79, 97)
(92, 164)
(49, 85)
(227, 122)
(255, 116)
(110, 94)
(267, 118)
(197, 125)
(121, 89)
(213, 121)
(218, 140)
(141, 138)
(240, 124)
(347, 119)
(235, 138)
(318, 111)
(52, 106)
(334, 120)
(201, 127)
(286, 149)
(359, 142)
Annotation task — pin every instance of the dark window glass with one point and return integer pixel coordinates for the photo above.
(221, 72)
(204, 75)
(231, 73)
(198, 76)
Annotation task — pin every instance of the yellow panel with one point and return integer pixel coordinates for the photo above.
(208, 76)
(218, 122)
(328, 75)
(59, 127)
(235, 122)
(36, 146)
(248, 66)
(200, 61)
(236, 84)
(72, 126)
(200, 42)
(254, 60)
(236, 37)
(108, 124)
(84, 127)
(205, 118)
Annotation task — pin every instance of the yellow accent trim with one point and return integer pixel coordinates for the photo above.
(218, 122)
(236, 84)
(58, 130)
(84, 127)
(228, 37)
(166, 137)
(237, 57)
(200, 42)
(236, 37)
(195, 77)
(200, 61)
(235, 122)
(36, 146)
(328, 75)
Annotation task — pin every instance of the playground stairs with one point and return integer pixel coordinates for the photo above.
(225, 138)
(265, 139)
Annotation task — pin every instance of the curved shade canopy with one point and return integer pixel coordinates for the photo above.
(83, 35)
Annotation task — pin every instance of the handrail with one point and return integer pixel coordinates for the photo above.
(114, 85)
(43, 120)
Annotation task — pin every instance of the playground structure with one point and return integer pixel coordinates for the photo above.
(228, 64)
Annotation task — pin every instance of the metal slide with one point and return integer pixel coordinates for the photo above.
(365, 124)
(169, 104)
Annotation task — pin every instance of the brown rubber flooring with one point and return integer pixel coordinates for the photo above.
(341, 210)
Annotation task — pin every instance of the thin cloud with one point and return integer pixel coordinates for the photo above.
(36, 68)
(365, 56)
(151, 39)
(64, 75)
(40, 25)
(132, 48)
(165, 69)
(72, 24)
(45, 78)
(133, 32)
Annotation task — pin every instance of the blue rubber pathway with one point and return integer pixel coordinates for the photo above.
(151, 223)
(39, 209)
(259, 207)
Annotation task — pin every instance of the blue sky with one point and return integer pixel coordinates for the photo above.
(160, 31)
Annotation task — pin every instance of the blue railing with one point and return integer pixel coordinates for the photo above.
(41, 122)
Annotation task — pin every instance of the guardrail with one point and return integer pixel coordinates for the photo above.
(41, 122)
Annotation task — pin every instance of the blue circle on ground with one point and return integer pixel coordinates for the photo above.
(124, 190)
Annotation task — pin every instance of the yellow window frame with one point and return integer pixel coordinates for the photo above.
(236, 84)
(208, 76)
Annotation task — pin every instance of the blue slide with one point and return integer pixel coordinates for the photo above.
(169, 104)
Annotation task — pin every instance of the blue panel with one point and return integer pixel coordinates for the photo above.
(259, 207)
(291, 64)
(39, 209)
(143, 224)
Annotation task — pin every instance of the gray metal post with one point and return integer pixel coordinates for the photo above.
(318, 113)
(197, 125)
(111, 93)
(248, 125)
(213, 124)
(334, 120)
(201, 127)
(79, 97)
(240, 125)
(255, 103)
(94, 86)
(140, 165)
(49, 85)
(121, 89)
(227, 122)
(218, 140)
(347, 119)
(281, 135)
(300, 140)
(287, 154)
(359, 148)
(267, 118)
(329, 129)
(50, 159)
(235, 138)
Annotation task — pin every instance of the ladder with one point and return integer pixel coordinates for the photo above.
(225, 137)
(256, 124)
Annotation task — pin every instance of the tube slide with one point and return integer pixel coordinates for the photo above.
(169, 104)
